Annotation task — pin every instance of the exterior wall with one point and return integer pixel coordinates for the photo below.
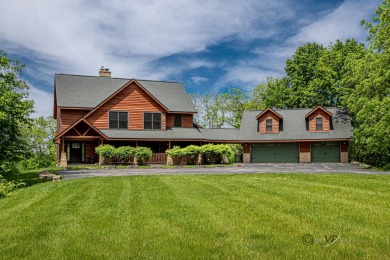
(69, 116)
(133, 100)
(90, 152)
(344, 152)
(275, 123)
(304, 152)
(186, 120)
(246, 153)
(312, 121)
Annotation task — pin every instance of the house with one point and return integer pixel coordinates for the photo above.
(94, 110)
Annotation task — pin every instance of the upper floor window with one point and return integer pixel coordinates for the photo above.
(177, 120)
(152, 121)
(268, 125)
(319, 124)
(118, 120)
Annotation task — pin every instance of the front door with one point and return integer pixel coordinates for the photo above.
(75, 150)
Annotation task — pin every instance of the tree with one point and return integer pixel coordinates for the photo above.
(275, 93)
(301, 70)
(369, 103)
(15, 109)
(39, 137)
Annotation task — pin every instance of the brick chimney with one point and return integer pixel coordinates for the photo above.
(104, 72)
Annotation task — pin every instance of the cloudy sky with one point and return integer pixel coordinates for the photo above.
(208, 45)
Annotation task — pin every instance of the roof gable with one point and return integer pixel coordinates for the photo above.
(318, 108)
(269, 110)
(90, 91)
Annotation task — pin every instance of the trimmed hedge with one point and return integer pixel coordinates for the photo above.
(210, 153)
(142, 154)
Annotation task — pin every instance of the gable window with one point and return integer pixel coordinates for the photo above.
(118, 120)
(319, 124)
(152, 121)
(268, 125)
(177, 120)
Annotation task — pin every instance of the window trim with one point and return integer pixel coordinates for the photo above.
(322, 123)
(119, 111)
(181, 120)
(272, 128)
(152, 121)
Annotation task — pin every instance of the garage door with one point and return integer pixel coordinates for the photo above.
(325, 152)
(275, 152)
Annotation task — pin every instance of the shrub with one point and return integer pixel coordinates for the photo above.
(7, 187)
(176, 153)
(125, 153)
(215, 153)
(106, 151)
(191, 151)
(142, 154)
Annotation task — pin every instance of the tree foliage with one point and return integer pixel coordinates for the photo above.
(15, 109)
(39, 137)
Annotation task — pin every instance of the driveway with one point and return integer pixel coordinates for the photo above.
(237, 169)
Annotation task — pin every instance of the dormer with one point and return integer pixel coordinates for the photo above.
(319, 120)
(269, 122)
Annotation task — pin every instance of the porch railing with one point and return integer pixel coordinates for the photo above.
(158, 158)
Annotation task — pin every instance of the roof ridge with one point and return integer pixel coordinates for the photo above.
(157, 80)
(92, 76)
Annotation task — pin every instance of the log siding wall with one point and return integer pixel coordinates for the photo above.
(132, 99)
(186, 121)
(275, 123)
(312, 121)
(69, 116)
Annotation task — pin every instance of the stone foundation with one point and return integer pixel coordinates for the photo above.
(304, 157)
(344, 157)
(169, 160)
(246, 157)
(63, 160)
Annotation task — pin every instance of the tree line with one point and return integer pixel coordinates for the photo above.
(347, 74)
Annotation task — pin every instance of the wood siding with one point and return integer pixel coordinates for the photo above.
(312, 121)
(304, 147)
(275, 123)
(344, 146)
(90, 152)
(69, 116)
(186, 121)
(133, 100)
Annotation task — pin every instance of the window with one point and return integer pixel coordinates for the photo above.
(152, 121)
(268, 125)
(118, 120)
(319, 123)
(177, 120)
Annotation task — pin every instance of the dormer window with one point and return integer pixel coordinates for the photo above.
(268, 125)
(319, 123)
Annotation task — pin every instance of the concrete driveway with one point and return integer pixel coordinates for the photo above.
(237, 169)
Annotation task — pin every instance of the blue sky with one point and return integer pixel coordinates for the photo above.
(207, 45)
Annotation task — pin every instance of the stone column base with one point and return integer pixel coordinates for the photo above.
(246, 157)
(63, 160)
(169, 160)
(304, 157)
(344, 157)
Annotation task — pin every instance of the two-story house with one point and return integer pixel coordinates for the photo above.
(93, 110)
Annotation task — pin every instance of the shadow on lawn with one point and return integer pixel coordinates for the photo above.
(29, 177)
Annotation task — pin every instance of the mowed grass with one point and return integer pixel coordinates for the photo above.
(202, 216)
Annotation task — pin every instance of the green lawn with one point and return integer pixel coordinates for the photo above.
(203, 216)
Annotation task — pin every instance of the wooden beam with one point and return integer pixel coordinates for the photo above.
(86, 131)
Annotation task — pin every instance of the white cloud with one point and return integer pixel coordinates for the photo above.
(342, 23)
(43, 102)
(198, 80)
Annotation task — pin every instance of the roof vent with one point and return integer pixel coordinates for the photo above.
(104, 72)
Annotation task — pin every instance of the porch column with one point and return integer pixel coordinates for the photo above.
(344, 151)
(63, 159)
(304, 152)
(246, 153)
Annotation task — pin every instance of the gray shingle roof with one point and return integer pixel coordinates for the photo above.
(89, 91)
(294, 126)
(171, 134)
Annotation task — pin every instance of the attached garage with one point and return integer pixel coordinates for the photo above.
(275, 153)
(325, 152)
